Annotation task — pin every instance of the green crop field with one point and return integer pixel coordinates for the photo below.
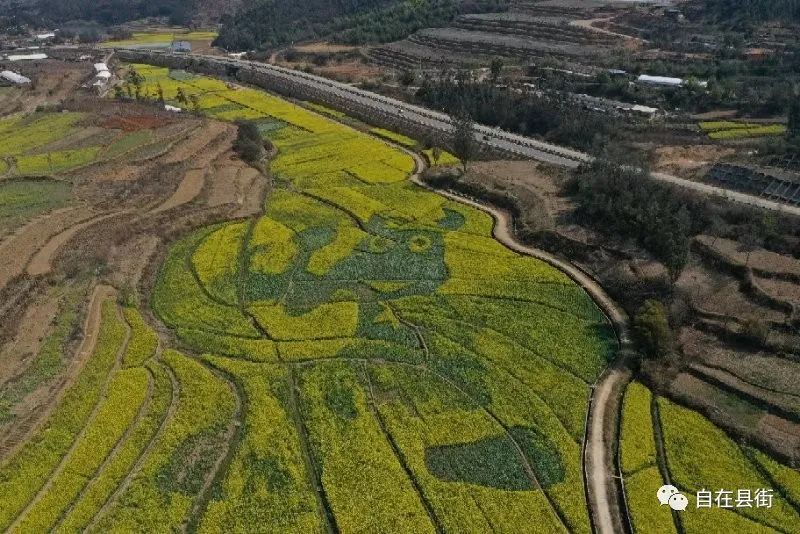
(362, 356)
(22, 200)
(698, 456)
(740, 130)
(362, 284)
(45, 144)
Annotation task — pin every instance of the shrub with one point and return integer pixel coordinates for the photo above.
(651, 328)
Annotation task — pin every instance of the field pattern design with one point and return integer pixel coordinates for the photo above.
(404, 331)
(361, 357)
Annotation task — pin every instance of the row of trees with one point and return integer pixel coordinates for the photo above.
(179, 12)
(550, 117)
(263, 24)
(750, 11)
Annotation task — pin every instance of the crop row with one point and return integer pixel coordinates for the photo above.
(363, 479)
(743, 133)
(100, 490)
(639, 464)
(691, 440)
(180, 301)
(127, 392)
(143, 341)
(161, 495)
(636, 430)
(25, 134)
(216, 261)
(51, 358)
(267, 483)
(24, 475)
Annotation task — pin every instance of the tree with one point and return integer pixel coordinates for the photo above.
(249, 143)
(793, 130)
(406, 78)
(749, 243)
(651, 329)
(464, 145)
(133, 78)
(496, 67)
(181, 96)
(436, 153)
(756, 330)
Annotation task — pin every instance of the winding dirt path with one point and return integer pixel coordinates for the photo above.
(18, 248)
(601, 472)
(42, 262)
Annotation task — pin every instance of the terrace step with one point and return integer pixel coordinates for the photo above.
(535, 29)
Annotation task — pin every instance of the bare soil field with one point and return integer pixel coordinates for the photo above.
(759, 259)
(690, 161)
(324, 47)
(720, 294)
(38, 405)
(780, 289)
(39, 315)
(55, 81)
(17, 251)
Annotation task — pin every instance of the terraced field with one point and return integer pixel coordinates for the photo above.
(360, 356)
(161, 39)
(689, 452)
(53, 143)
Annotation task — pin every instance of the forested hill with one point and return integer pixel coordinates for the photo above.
(267, 23)
(749, 11)
(108, 12)
(117, 11)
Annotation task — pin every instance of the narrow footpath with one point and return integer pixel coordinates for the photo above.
(601, 473)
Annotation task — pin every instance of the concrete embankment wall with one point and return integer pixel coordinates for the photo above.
(298, 88)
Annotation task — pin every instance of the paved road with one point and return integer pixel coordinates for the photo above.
(494, 138)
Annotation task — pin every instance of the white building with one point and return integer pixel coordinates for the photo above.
(26, 57)
(13, 77)
(660, 80)
(666, 81)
